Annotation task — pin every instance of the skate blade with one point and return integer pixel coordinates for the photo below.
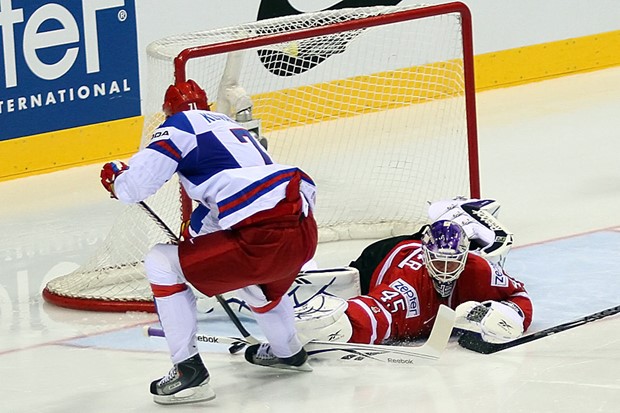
(201, 393)
(304, 367)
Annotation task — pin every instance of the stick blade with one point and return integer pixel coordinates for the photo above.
(442, 330)
(404, 355)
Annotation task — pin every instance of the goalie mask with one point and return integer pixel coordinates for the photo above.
(445, 246)
(184, 96)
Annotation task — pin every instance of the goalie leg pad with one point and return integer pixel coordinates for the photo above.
(341, 282)
(323, 318)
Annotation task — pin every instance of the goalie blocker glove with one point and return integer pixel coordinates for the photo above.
(497, 322)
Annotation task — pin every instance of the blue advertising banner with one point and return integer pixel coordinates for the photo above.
(66, 63)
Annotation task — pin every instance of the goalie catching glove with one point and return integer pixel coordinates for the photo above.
(109, 172)
(497, 322)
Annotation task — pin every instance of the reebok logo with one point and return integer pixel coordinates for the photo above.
(400, 361)
(335, 336)
(307, 53)
(503, 324)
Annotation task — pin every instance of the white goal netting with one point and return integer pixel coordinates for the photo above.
(375, 104)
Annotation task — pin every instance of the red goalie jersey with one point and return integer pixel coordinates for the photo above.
(400, 301)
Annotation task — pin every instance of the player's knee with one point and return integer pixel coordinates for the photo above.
(161, 265)
(255, 298)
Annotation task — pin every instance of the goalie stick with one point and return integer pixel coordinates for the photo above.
(429, 351)
(231, 314)
(473, 341)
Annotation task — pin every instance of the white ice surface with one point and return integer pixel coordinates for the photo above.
(548, 152)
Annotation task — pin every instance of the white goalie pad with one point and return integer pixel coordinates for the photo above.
(343, 282)
(323, 318)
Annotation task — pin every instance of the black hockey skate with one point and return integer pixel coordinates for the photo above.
(261, 355)
(187, 382)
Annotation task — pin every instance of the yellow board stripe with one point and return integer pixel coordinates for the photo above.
(546, 61)
(373, 93)
(119, 139)
(63, 149)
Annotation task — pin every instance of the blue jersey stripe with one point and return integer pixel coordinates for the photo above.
(168, 148)
(252, 192)
(198, 214)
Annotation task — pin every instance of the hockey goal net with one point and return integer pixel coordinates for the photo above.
(375, 103)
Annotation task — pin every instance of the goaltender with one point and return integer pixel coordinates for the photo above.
(457, 260)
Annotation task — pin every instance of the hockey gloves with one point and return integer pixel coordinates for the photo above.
(497, 322)
(109, 173)
(478, 217)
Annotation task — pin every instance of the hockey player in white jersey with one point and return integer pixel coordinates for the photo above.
(252, 231)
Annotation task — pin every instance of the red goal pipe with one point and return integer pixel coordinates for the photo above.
(181, 60)
(94, 304)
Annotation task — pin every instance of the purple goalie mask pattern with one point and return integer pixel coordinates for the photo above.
(445, 247)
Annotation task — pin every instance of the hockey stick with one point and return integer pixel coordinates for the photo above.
(233, 317)
(429, 351)
(473, 341)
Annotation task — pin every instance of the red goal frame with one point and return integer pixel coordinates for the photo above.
(180, 75)
(180, 62)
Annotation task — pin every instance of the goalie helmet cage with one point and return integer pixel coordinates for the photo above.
(377, 104)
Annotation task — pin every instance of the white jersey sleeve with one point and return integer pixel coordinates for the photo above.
(149, 171)
(220, 165)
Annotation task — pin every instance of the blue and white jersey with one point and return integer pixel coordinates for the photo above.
(220, 165)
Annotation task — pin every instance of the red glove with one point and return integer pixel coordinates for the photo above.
(109, 173)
